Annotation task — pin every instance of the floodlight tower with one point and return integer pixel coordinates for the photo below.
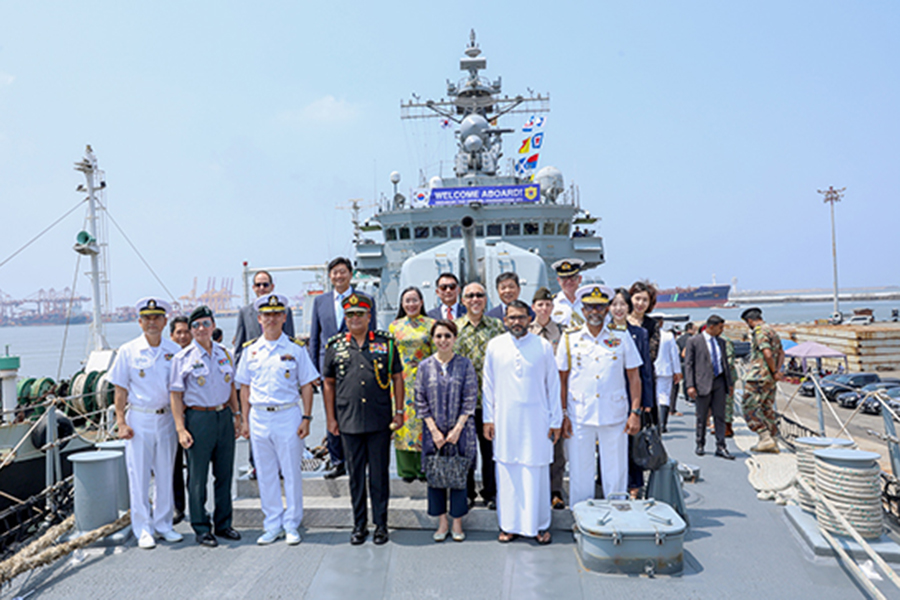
(831, 196)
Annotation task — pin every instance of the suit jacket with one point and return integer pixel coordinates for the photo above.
(248, 328)
(322, 326)
(438, 312)
(698, 367)
(498, 312)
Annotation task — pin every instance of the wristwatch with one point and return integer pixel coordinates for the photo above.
(636, 411)
(398, 412)
(307, 417)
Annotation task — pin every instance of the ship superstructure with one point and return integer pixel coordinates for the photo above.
(491, 216)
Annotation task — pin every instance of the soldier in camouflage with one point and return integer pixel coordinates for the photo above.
(729, 401)
(766, 360)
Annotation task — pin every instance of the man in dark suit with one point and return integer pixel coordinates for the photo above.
(248, 324)
(708, 382)
(508, 288)
(327, 321)
(447, 289)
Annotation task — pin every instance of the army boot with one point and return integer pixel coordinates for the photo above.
(766, 443)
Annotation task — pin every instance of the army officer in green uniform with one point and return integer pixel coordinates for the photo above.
(359, 369)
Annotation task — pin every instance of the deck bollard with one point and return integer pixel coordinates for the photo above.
(96, 484)
(124, 500)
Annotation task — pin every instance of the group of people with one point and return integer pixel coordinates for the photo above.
(525, 387)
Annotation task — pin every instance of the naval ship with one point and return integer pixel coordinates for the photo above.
(492, 216)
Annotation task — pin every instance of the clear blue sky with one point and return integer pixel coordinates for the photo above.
(229, 131)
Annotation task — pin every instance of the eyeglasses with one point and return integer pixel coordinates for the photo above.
(443, 336)
(447, 286)
(262, 284)
(205, 324)
(594, 307)
(475, 295)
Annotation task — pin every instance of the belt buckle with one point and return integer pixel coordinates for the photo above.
(220, 408)
(160, 411)
(271, 409)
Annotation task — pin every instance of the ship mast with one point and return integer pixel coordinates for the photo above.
(87, 245)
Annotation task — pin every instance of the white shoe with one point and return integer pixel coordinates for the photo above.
(170, 536)
(146, 541)
(292, 537)
(270, 536)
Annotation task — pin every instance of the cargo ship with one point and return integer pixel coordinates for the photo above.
(704, 296)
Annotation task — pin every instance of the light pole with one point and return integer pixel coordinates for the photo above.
(831, 196)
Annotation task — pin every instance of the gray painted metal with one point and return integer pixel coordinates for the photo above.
(123, 501)
(96, 484)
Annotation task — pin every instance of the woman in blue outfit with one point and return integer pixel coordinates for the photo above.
(446, 390)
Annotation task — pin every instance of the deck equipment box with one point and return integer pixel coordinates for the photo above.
(629, 536)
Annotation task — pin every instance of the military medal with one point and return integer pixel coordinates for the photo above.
(201, 381)
(287, 374)
(141, 373)
(227, 378)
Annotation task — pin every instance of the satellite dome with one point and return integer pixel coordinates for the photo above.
(435, 182)
(551, 181)
(473, 132)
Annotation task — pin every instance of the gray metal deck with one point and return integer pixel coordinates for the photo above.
(738, 547)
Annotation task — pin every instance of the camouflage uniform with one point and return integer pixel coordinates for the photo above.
(729, 360)
(759, 383)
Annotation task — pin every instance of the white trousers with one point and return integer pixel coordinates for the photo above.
(664, 389)
(276, 448)
(151, 450)
(580, 451)
(523, 498)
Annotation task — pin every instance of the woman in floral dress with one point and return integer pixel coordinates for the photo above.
(412, 332)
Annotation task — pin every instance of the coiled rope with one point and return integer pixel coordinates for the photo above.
(855, 493)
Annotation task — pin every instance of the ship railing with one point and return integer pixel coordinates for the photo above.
(26, 518)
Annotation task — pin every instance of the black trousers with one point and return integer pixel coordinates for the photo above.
(488, 475)
(714, 401)
(178, 480)
(372, 451)
(213, 434)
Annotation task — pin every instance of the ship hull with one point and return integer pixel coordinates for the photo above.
(707, 296)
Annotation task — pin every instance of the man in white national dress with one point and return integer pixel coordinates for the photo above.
(522, 416)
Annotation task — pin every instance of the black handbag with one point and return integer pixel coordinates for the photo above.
(447, 470)
(647, 448)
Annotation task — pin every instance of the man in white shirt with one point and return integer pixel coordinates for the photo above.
(594, 361)
(522, 416)
(140, 375)
(668, 374)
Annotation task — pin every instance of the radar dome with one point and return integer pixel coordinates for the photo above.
(435, 182)
(395, 177)
(551, 181)
(473, 132)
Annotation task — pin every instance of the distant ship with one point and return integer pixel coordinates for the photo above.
(705, 296)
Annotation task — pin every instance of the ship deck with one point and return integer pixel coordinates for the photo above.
(737, 547)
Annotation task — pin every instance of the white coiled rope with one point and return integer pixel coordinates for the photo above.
(855, 493)
(806, 465)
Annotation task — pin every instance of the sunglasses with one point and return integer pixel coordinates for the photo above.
(443, 336)
(447, 286)
(475, 295)
(594, 307)
(205, 324)
(262, 284)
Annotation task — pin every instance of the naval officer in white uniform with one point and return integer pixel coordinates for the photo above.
(140, 375)
(566, 305)
(593, 362)
(274, 373)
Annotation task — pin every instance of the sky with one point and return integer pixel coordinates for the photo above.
(232, 131)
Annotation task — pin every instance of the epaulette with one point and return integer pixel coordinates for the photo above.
(384, 333)
(572, 329)
(248, 342)
(334, 338)
(298, 341)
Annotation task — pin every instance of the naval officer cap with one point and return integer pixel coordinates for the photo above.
(270, 303)
(151, 305)
(201, 312)
(568, 267)
(542, 293)
(357, 303)
(594, 294)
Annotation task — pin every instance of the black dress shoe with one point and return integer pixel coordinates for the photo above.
(381, 535)
(472, 502)
(177, 517)
(207, 539)
(359, 536)
(699, 451)
(228, 533)
(491, 504)
(336, 472)
(724, 453)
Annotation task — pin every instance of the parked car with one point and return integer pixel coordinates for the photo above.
(872, 406)
(847, 382)
(860, 320)
(851, 398)
(807, 388)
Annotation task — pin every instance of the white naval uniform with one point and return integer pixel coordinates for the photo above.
(564, 309)
(598, 407)
(521, 398)
(275, 372)
(144, 372)
(667, 365)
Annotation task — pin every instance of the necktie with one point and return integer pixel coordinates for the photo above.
(717, 368)
(449, 314)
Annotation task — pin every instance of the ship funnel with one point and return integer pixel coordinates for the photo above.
(470, 263)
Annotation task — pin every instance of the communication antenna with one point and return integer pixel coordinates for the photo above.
(354, 206)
